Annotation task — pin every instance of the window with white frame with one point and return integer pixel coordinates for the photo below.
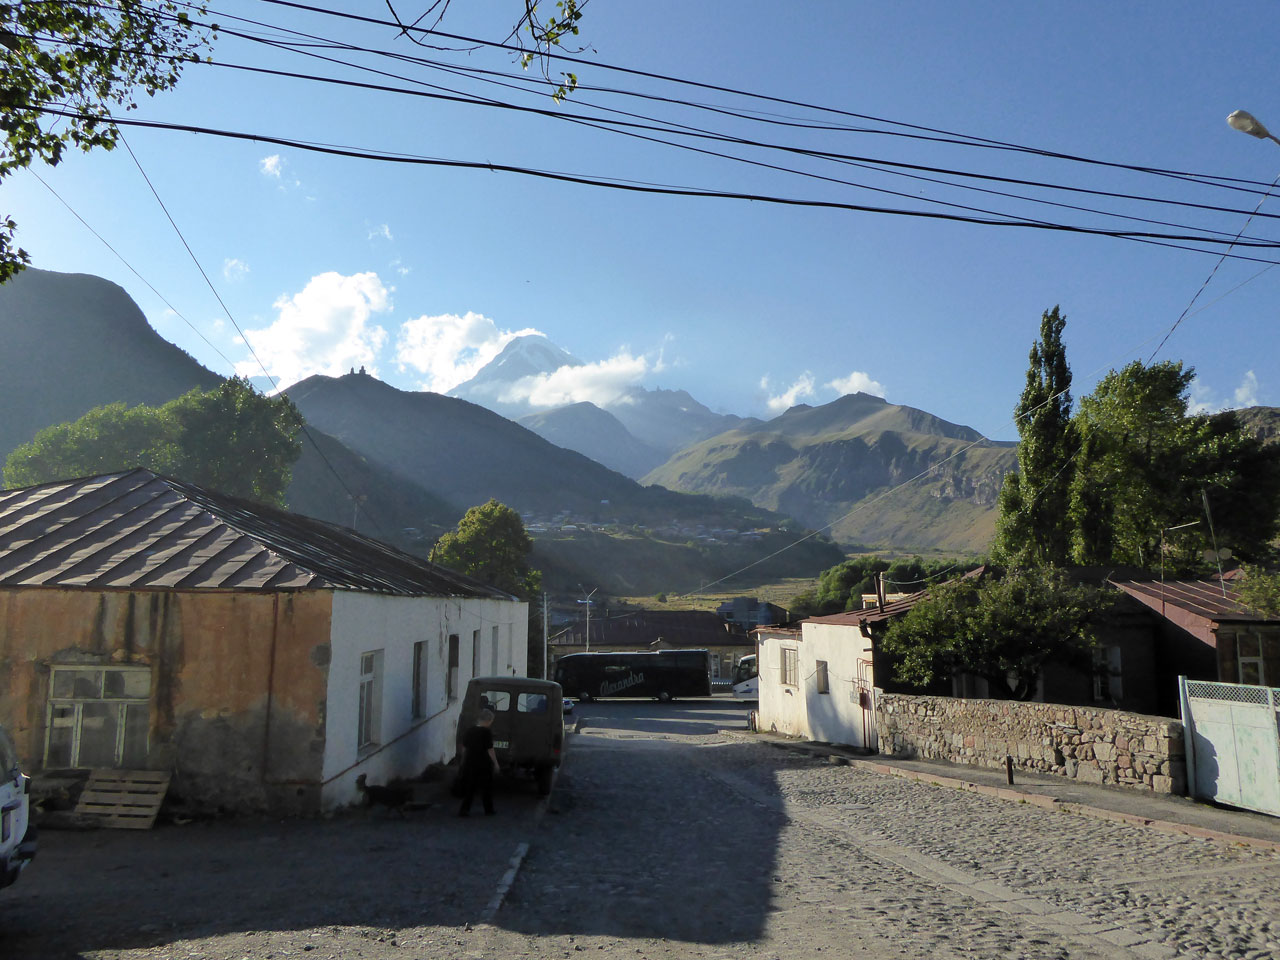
(98, 717)
(369, 720)
(790, 667)
(821, 676)
(1249, 663)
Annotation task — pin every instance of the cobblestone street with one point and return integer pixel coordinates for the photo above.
(671, 835)
(709, 846)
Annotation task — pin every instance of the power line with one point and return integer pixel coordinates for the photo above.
(1174, 240)
(1212, 272)
(961, 139)
(194, 259)
(133, 270)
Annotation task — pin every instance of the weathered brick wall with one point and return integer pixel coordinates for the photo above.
(1083, 743)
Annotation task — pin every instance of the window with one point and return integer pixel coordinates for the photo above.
(1107, 683)
(419, 679)
(475, 653)
(1249, 659)
(98, 717)
(790, 666)
(499, 701)
(369, 721)
(824, 683)
(452, 685)
(531, 703)
(493, 652)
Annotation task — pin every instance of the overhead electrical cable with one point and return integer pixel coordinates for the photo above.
(866, 163)
(245, 339)
(163, 299)
(1174, 239)
(962, 139)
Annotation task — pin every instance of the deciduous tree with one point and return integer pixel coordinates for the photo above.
(1004, 629)
(82, 58)
(491, 544)
(1146, 466)
(230, 439)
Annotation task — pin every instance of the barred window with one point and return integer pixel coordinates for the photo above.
(790, 666)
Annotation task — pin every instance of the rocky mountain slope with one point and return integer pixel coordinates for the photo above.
(833, 464)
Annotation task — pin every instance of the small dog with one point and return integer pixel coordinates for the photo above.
(393, 796)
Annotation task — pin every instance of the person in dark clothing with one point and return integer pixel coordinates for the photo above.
(479, 764)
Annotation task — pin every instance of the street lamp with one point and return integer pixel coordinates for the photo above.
(1246, 122)
(587, 601)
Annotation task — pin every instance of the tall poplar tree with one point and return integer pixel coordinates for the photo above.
(1034, 527)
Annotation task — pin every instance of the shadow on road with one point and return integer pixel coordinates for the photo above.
(121, 889)
(647, 844)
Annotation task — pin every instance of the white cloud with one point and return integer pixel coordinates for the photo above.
(856, 382)
(383, 231)
(324, 328)
(234, 269)
(1246, 394)
(1203, 398)
(398, 266)
(272, 166)
(602, 383)
(788, 398)
(450, 349)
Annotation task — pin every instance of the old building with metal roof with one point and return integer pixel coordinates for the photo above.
(263, 658)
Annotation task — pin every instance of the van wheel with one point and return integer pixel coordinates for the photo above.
(543, 777)
(664, 697)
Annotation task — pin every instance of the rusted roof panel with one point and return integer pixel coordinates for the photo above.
(138, 530)
(1205, 599)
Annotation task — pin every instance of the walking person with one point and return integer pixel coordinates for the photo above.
(479, 764)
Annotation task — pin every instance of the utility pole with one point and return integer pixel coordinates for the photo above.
(546, 641)
(587, 601)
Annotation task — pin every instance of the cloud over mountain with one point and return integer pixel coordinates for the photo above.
(324, 328)
(450, 349)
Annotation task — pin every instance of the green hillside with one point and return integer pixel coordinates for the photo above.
(840, 463)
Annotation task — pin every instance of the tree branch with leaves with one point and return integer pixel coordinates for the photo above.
(84, 58)
(1006, 630)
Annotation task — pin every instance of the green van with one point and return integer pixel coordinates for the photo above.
(528, 723)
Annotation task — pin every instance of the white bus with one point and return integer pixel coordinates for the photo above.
(746, 679)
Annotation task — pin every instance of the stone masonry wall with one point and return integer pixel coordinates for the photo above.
(1082, 743)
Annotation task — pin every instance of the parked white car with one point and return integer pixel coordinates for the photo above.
(17, 833)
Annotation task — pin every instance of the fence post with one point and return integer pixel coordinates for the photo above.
(1188, 736)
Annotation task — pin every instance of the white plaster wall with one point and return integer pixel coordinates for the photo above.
(836, 717)
(364, 622)
(782, 708)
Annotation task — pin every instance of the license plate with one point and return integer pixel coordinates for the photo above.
(501, 744)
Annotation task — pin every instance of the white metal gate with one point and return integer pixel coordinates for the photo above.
(1233, 743)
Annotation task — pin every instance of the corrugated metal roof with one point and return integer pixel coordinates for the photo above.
(1200, 598)
(138, 530)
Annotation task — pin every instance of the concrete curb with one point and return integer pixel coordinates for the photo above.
(504, 885)
(522, 849)
(1013, 795)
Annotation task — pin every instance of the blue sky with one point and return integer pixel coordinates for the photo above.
(422, 273)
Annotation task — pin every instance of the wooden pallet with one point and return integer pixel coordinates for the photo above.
(124, 799)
